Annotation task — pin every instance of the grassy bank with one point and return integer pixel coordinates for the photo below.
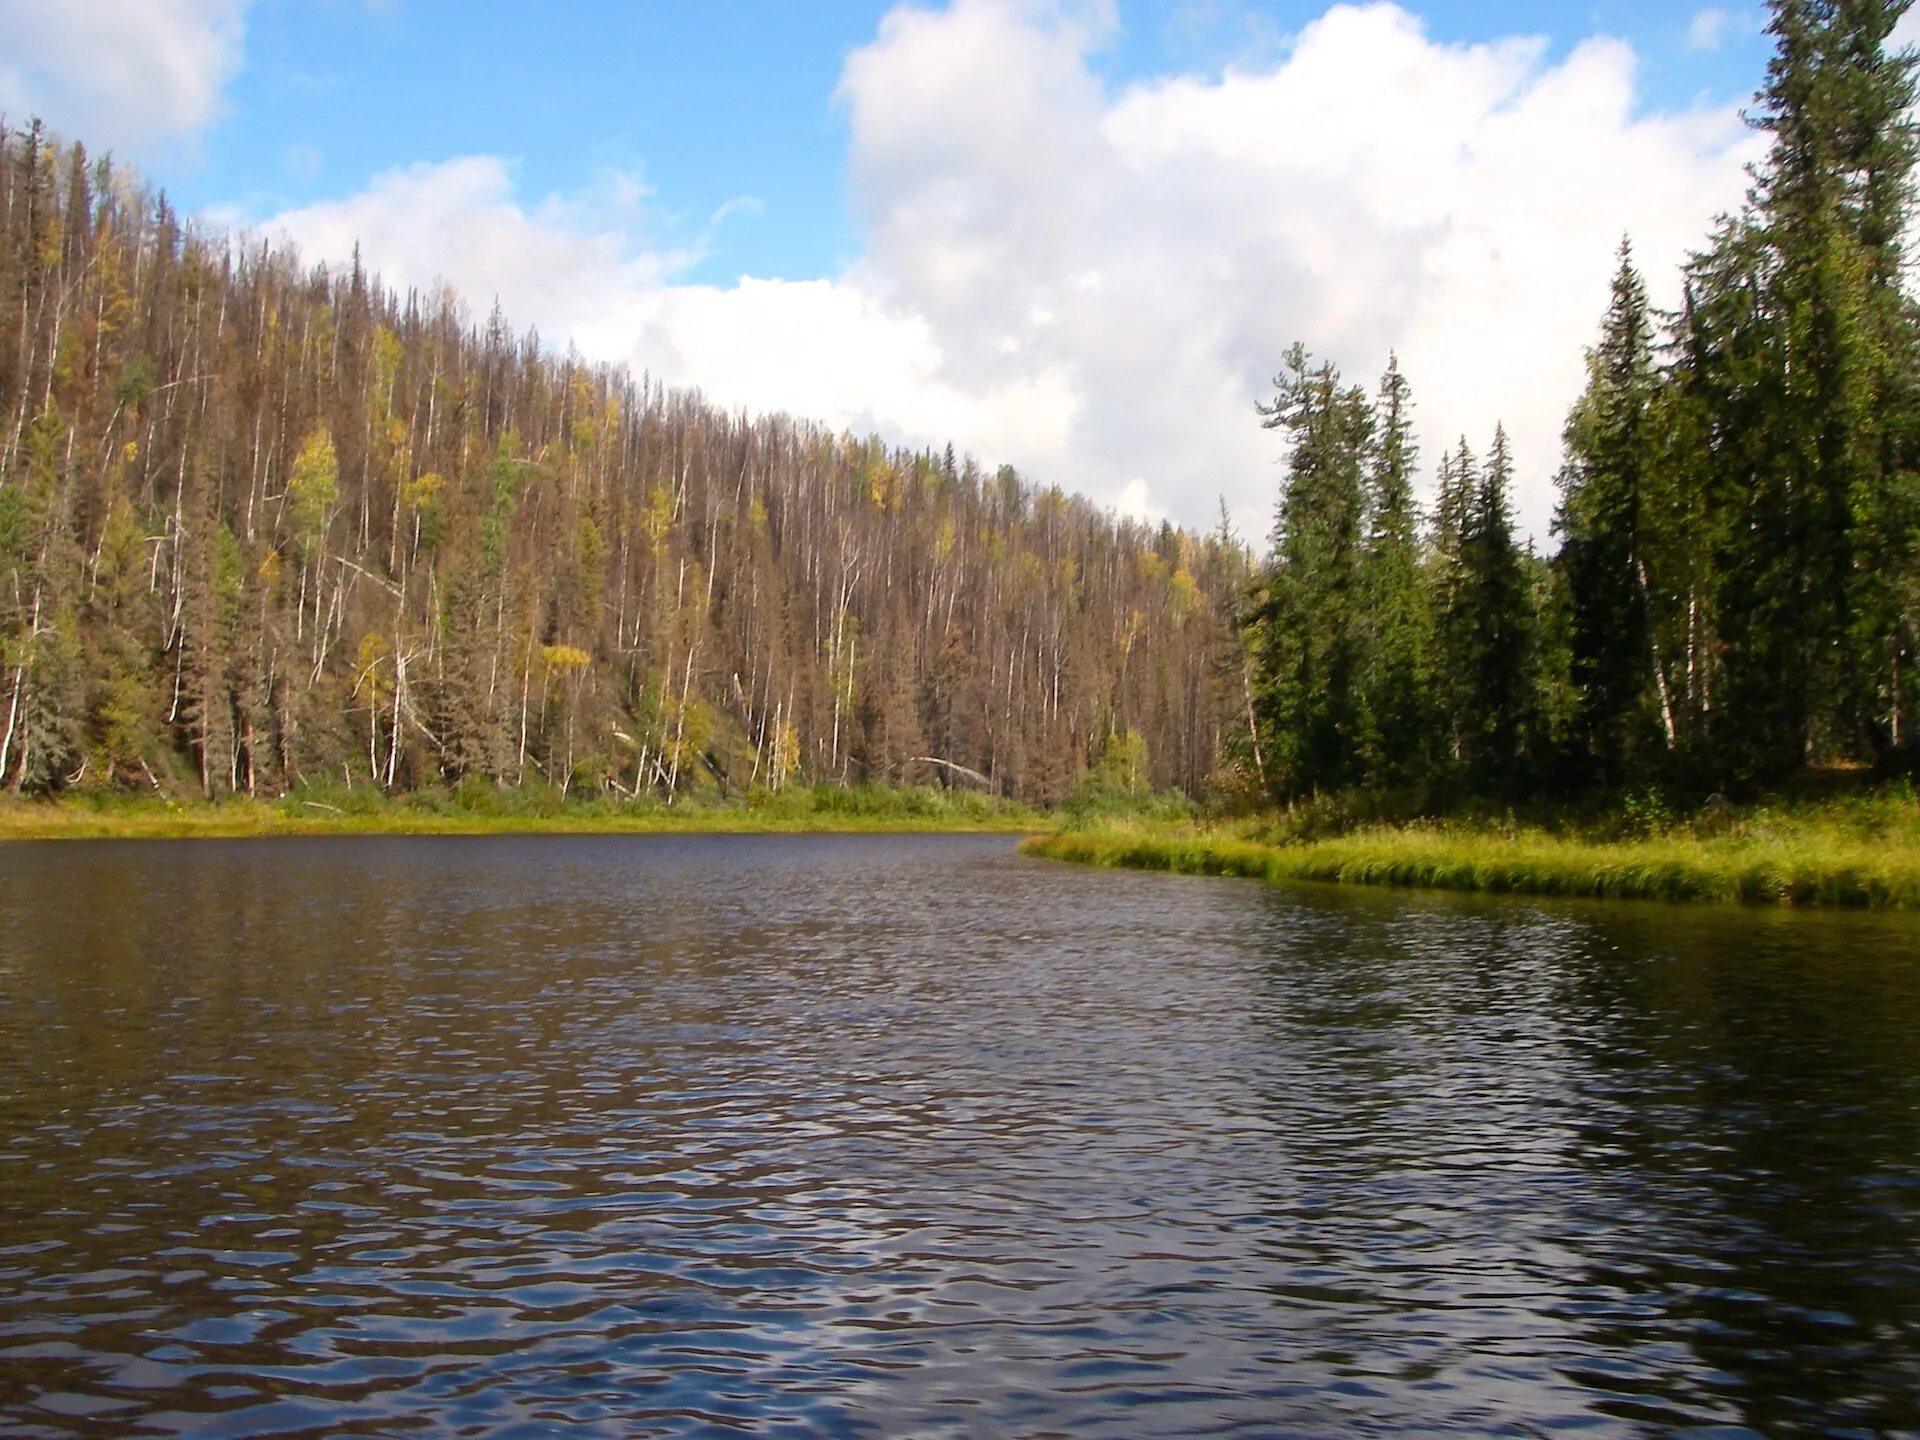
(484, 811)
(1861, 853)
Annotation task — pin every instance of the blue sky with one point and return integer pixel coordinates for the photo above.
(1075, 235)
(718, 103)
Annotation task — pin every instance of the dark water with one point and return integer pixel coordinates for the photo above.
(917, 1137)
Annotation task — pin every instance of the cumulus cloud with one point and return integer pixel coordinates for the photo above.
(557, 264)
(127, 74)
(1161, 246)
(1096, 284)
(833, 350)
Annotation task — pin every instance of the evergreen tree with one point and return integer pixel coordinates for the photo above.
(40, 734)
(1801, 313)
(1394, 688)
(1498, 626)
(1450, 602)
(1311, 628)
(1603, 519)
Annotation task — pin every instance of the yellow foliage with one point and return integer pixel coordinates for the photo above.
(1183, 592)
(883, 481)
(587, 416)
(387, 351)
(785, 758)
(422, 491)
(314, 486)
(374, 651)
(657, 519)
(561, 659)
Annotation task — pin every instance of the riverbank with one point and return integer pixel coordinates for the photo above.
(1863, 854)
(823, 809)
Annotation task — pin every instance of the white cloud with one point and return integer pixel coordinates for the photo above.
(557, 265)
(822, 349)
(1095, 285)
(130, 75)
(1160, 247)
(1708, 29)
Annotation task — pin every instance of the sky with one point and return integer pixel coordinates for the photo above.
(1074, 236)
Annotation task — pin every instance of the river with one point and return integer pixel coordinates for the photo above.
(915, 1136)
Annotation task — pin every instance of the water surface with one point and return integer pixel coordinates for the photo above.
(890, 1136)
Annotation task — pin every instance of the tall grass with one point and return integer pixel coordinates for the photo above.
(1863, 852)
(481, 809)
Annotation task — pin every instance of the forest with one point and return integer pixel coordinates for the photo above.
(266, 525)
(1734, 598)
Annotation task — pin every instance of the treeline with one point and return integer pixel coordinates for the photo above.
(1735, 596)
(263, 524)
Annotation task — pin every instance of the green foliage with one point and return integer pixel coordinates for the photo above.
(1396, 608)
(13, 524)
(135, 382)
(1498, 720)
(1737, 594)
(1605, 517)
(507, 476)
(1308, 630)
(313, 489)
(1864, 852)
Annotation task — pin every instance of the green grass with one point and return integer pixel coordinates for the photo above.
(483, 810)
(1861, 852)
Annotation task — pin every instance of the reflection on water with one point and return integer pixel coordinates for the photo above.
(884, 1136)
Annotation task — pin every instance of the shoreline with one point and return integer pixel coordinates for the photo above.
(26, 821)
(1855, 873)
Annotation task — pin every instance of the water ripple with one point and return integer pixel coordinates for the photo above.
(876, 1137)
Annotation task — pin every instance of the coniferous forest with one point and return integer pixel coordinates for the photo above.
(265, 524)
(1735, 593)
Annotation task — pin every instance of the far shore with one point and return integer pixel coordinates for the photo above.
(156, 819)
(1859, 853)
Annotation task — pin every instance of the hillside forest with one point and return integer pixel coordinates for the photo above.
(266, 524)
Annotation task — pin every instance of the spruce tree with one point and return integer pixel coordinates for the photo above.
(1311, 635)
(1498, 630)
(1395, 685)
(1801, 314)
(1621, 706)
(1450, 604)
